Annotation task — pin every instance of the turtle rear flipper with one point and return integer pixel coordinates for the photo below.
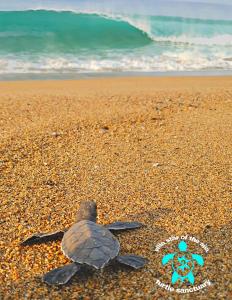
(133, 261)
(119, 226)
(175, 277)
(39, 238)
(191, 278)
(61, 275)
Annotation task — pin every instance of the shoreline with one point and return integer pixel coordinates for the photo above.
(98, 75)
(127, 84)
(152, 150)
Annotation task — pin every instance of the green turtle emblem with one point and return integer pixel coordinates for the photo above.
(183, 263)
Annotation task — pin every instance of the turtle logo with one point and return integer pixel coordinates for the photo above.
(183, 263)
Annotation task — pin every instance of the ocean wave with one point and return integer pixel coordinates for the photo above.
(42, 41)
(66, 31)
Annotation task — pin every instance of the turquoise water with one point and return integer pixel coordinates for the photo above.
(41, 41)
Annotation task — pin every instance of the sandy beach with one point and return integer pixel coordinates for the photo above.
(154, 150)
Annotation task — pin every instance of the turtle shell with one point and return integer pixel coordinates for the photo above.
(89, 243)
(183, 263)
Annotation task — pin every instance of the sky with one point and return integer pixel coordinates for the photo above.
(212, 9)
(229, 2)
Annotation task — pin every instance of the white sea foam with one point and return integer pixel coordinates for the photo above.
(220, 40)
(167, 61)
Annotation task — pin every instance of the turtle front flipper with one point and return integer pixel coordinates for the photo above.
(40, 238)
(120, 226)
(199, 259)
(61, 275)
(133, 261)
(166, 258)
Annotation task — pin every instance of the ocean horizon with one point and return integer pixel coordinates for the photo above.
(70, 41)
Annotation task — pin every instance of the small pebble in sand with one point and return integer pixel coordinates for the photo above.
(155, 165)
(56, 134)
(49, 182)
(104, 129)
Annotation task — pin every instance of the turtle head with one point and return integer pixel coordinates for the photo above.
(87, 211)
(183, 246)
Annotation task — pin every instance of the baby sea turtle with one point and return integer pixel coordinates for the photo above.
(183, 263)
(87, 243)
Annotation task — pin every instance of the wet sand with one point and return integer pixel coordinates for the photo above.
(154, 150)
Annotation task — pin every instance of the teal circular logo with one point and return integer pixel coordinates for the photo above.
(183, 263)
